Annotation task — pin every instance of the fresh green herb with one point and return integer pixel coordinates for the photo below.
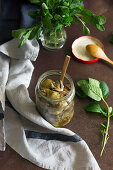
(105, 89)
(58, 13)
(97, 90)
(96, 108)
(80, 93)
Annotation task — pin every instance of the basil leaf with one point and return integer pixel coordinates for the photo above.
(96, 108)
(111, 111)
(100, 27)
(50, 4)
(19, 33)
(35, 34)
(35, 1)
(101, 19)
(44, 6)
(103, 125)
(90, 89)
(86, 30)
(80, 93)
(105, 89)
(96, 20)
(64, 9)
(34, 14)
(103, 132)
(88, 17)
(94, 82)
(25, 38)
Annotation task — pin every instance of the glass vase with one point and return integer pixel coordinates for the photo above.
(52, 39)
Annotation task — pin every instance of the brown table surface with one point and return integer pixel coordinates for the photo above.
(86, 125)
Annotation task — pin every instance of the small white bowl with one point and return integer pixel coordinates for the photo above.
(79, 48)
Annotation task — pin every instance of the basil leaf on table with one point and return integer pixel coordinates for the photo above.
(96, 108)
(91, 89)
(94, 82)
(80, 93)
(105, 89)
(97, 90)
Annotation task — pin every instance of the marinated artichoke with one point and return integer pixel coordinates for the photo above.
(52, 105)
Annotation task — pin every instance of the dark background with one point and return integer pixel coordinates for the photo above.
(86, 125)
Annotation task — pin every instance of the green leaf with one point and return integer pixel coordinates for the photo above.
(94, 82)
(86, 30)
(44, 6)
(72, 6)
(58, 27)
(80, 8)
(35, 1)
(105, 89)
(76, 21)
(80, 93)
(47, 22)
(35, 34)
(66, 4)
(100, 27)
(67, 20)
(88, 16)
(50, 4)
(19, 33)
(101, 19)
(111, 111)
(95, 20)
(75, 3)
(57, 17)
(25, 38)
(34, 14)
(64, 10)
(103, 132)
(96, 108)
(91, 89)
(104, 126)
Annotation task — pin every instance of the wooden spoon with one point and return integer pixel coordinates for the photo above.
(96, 51)
(66, 62)
(65, 65)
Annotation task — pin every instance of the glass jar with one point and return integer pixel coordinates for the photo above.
(60, 111)
(52, 39)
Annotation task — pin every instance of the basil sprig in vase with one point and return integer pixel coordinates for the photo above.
(52, 16)
(53, 39)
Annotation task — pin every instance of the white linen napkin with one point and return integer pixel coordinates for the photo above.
(32, 136)
(4, 71)
(29, 50)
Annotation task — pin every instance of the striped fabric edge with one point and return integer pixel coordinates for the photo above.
(52, 136)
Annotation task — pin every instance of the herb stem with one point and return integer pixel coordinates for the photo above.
(105, 137)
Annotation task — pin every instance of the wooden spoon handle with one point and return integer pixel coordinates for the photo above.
(110, 61)
(102, 55)
(66, 62)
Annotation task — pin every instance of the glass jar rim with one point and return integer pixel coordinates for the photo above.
(51, 73)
